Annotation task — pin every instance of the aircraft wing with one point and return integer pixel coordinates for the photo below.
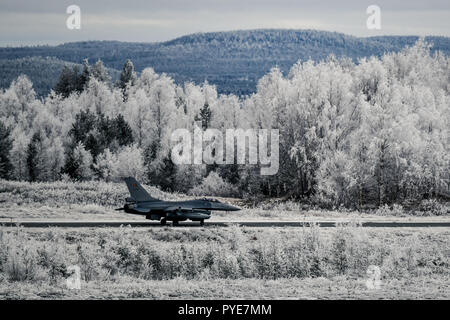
(141, 210)
(176, 208)
(187, 212)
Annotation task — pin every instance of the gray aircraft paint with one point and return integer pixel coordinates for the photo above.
(142, 203)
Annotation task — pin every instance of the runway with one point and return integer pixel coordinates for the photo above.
(255, 224)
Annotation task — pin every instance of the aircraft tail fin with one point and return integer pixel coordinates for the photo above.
(137, 192)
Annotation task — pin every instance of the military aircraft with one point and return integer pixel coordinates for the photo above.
(141, 202)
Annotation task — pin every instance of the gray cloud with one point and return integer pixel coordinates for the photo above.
(43, 21)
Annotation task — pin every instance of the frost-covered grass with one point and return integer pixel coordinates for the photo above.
(61, 193)
(130, 262)
(97, 199)
(342, 287)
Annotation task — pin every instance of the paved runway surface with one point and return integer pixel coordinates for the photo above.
(259, 224)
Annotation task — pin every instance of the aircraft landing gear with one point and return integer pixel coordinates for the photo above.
(175, 223)
(202, 222)
(163, 221)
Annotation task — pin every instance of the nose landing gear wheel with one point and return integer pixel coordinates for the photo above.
(163, 221)
(202, 222)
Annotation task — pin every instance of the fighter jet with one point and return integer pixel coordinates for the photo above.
(142, 203)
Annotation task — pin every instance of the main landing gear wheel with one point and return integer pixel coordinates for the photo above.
(175, 223)
(202, 222)
(163, 221)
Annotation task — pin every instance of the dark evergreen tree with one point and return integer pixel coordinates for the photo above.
(84, 122)
(98, 132)
(122, 131)
(76, 79)
(105, 128)
(93, 143)
(76, 166)
(64, 86)
(150, 154)
(127, 77)
(5, 147)
(84, 77)
(204, 116)
(32, 157)
(72, 80)
(165, 177)
(70, 166)
(167, 180)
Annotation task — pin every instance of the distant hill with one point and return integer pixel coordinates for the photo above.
(234, 61)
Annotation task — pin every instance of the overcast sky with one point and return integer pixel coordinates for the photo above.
(44, 21)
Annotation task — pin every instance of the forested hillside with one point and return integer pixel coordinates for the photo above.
(233, 61)
(43, 72)
(351, 134)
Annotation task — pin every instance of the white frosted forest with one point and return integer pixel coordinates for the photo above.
(351, 134)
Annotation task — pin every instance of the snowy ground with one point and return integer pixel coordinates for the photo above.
(248, 289)
(11, 211)
(413, 262)
(97, 201)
